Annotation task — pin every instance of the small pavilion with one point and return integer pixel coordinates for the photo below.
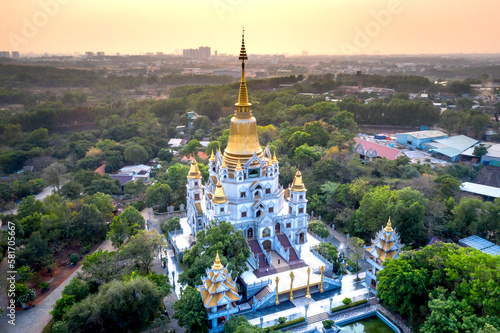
(386, 245)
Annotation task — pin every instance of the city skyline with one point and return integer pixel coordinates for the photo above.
(318, 27)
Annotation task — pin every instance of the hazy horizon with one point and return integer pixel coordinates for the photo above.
(370, 27)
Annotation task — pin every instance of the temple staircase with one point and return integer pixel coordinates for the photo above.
(264, 267)
(295, 261)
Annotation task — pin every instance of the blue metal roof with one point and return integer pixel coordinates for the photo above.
(480, 244)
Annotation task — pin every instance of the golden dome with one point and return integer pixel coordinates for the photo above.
(298, 184)
(194, 172)
(243, 139)
(219, 195)
(217, 265)
(388, 227)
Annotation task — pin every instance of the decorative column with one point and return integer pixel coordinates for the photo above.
(322, 269)
(277, 300)
(331, 301)
(308, 295)
(291, 286)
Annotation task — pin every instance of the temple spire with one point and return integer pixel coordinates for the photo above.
(243, 106)
(217, 265)
(388, 227)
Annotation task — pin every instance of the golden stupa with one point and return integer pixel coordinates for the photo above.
(243, 138)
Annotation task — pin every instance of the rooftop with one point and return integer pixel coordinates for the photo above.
(493, 151)
(480, 244)
(489, 191)
(426, 134)
(382, 151)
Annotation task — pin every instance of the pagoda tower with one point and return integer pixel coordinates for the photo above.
(386, 245)
(219, 295)
(243, 189)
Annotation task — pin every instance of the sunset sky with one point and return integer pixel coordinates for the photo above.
(272, 26)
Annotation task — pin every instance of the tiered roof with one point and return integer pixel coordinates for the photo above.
(386, 244)
(218, 287)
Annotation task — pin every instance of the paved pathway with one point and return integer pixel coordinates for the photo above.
(35, 319)
(172, 266)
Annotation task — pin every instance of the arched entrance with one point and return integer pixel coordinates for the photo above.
(277, 228)
(266, 233)
(250, 233)
(266, 245)
(301, 237)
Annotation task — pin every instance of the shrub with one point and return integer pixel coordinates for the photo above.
(319, 228)
(281, 320)
(85, 249)
(347, 301)
(286, 324)
(348, 306)
(328, 324)
(23, 294)
(73, 258)
(44, 285)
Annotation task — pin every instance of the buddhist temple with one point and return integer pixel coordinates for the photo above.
(386, 245)
(219, 294)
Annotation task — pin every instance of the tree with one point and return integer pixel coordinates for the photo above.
(240, 324)
(72, 190)
(190, 312)
(372, 213)
(159, 195)
(213, 146)
(53, 173)
(480, 151)
(35, 253)
(171, 224)
(319, 228)
(62, 305)
(306, 155)
(118, 306)
(135, 154)
(99, 267)
(407, 208)
(356, 245)
(125, 225)
(165, 155)
(144, 247)
(105, 185)
(219, 236)
(135, 188)
(192, 148)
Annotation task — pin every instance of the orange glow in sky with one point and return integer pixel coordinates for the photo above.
(272, 26)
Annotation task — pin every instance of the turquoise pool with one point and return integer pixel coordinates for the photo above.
(371, 324)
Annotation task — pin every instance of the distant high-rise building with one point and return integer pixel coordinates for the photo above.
(305, 53)
(89, 54)
(15, 54)
(100, 54)
(215, 53)
(4, 54)
(205, 52)
(159, 53)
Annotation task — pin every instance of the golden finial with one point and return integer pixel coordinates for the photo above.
(194, 172)
(388, 227)
(274, 157)
(212, 157)
(298, 183)
(219, 195)
(223, 164)
(217, 265)
(238, 166)
(270, 163)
